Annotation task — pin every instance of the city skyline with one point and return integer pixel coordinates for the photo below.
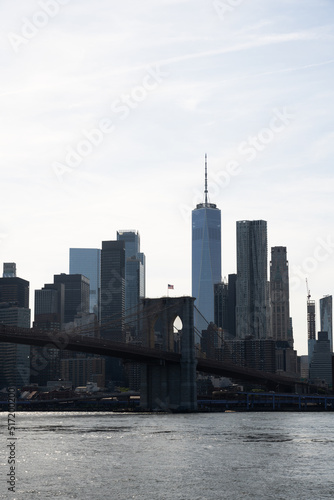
(252, 88)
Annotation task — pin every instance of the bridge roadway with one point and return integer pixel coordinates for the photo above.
(140, 354)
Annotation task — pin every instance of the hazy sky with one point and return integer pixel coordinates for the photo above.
(107, 110)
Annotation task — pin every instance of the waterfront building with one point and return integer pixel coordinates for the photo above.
(321, 362)
(206, 258)
(252, 289)
(81, 370)
(14, 311)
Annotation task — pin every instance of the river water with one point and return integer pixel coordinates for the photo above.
(230, 456)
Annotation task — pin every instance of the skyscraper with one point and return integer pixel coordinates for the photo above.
(134, 271)
(310, 325)
(14, 311)
(252, 290)
(279, 296)
(224, 301)
(87, 261)
(76, 294)
(112, 303)
(132, 242)
(320, 366)
(326, 318)
(206, 257)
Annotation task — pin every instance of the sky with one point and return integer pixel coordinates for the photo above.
(107, 111)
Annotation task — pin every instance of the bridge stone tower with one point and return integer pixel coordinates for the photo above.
(168, 386)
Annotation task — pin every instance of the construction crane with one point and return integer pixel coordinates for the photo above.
(308, 291)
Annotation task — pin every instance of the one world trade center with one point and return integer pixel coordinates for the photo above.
(206, 258)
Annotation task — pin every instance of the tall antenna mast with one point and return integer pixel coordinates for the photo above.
(206, 181)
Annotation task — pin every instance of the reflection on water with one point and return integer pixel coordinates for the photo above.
(230, 456)
(268, 438)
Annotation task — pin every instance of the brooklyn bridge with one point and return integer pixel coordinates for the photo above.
(168, 373)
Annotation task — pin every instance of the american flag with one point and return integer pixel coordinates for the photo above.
(170, 287)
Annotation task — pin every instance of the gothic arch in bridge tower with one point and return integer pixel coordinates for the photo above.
(168, 386)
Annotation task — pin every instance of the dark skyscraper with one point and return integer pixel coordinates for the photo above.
(206, 257)
(252, 293)
(49, 316)
(279, 295)
(112, 305)
(76, 294)
(326, 318)
(225, 306)
(15, 290)
(134, 271)
(14, 311)
(50, 306)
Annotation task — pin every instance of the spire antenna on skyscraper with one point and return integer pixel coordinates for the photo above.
(206, 180)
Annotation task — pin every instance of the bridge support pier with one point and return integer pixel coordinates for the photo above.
(167, 386)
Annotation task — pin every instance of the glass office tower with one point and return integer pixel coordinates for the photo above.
(326, 317)
(206, 258)
(252, 290)
(87, 261)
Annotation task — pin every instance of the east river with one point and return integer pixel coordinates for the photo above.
(232, 456)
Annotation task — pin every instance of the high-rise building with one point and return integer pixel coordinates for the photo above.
(15, 290)
(231, 304)
(50, 307)
(134, 276)
(132, 242)
(206, 258)
(224, 306)
(76, 294)
(326, 318)
(279, 296)
(112, 303)
(221, 305)
(321, 362)
(14, 311)
(252, 290)
(310, 325)
(87, 261)
(49, 316)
